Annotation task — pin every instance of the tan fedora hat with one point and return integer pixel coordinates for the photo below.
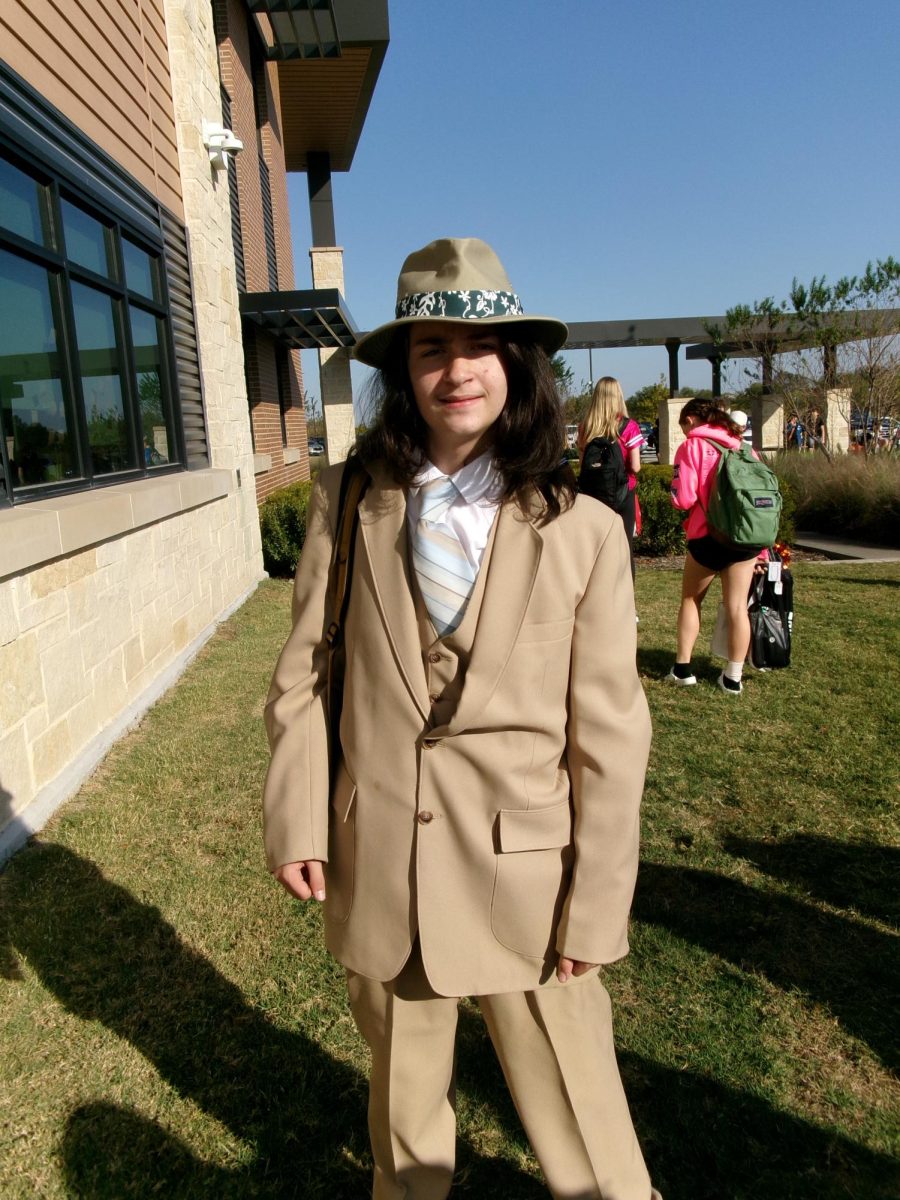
(456, 280)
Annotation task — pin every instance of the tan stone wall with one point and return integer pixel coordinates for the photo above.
(81, 638)
(142, 572)
(335, 381)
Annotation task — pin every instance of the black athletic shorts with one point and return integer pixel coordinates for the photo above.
(714, 556)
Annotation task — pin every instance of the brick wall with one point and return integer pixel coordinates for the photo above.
(235, 32)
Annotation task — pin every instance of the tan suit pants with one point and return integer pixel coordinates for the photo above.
(556, 1049)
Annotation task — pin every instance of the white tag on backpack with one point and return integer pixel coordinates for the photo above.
(778, 588)
(775, 571)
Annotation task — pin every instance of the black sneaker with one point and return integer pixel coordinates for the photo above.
(733, 687)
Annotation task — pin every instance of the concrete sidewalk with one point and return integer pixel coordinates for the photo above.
(845, 549)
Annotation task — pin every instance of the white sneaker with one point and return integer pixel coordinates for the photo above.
(688, 681)
(733, 687)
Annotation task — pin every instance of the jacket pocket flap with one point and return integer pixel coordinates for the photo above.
(535, 828)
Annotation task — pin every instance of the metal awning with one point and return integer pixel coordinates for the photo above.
(328, 55)
(297, 28)
(311, 320)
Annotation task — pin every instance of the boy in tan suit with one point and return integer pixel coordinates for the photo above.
(479, 834)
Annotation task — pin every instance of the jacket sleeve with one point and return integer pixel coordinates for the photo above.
(296, 793)
(608, 741)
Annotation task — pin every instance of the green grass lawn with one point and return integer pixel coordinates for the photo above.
(170, 1025)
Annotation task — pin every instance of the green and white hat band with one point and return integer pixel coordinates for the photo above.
(459, 305)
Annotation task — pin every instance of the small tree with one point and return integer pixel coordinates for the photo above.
(644, 404)
(564, 375)
(315, 421)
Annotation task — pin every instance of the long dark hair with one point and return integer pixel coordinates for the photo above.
(529, 434)
(710, 413)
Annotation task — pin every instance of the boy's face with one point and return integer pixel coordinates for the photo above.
(459, 381)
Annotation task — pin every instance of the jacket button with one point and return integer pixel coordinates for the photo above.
(424, 817)
(429, 743)
(434, 697)
(434, 656)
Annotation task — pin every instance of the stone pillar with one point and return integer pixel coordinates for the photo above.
(334, 365)
(837, 419)
(670, 435)
(767, 418)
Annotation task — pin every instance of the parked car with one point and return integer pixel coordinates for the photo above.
(316, 447)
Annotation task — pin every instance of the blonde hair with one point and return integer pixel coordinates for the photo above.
(606, 411)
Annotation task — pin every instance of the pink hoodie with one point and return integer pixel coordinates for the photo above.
(695, 465)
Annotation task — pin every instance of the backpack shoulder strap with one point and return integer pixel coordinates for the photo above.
(354, 483)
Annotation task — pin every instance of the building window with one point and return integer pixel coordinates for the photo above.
(282, 370)
(86, 390)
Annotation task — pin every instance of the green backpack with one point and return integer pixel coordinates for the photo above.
(745, 500)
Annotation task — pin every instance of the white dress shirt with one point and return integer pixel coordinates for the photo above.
(471, 516)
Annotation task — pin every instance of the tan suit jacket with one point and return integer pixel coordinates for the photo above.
(534, 783)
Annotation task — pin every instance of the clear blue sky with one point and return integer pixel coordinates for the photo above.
(640, 159)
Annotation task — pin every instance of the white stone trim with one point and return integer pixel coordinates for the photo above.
(36, 533)
(291, 455)
(262, 463)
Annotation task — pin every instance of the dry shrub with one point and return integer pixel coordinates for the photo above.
(852, 496)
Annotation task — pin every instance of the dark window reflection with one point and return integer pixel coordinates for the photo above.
(23, 204)
(140, 270)
(36, 413)
(147, 357)
(88, 242)
(100, 362)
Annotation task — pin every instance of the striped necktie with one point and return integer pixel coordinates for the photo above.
(445, 575)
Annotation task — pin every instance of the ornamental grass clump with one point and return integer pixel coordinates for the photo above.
(851, 496)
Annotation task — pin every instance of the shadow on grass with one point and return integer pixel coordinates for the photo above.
(705, 1141)
(111, 959)
(301, 1115)
(860, 875)
(849, 967)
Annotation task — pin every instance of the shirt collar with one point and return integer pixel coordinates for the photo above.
(477, 482)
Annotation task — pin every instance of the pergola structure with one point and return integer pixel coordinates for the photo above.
(671, 332)
(779, 337)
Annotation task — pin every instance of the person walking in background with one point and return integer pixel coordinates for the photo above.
(816, 433)
(480, 820)
(696, 461)
(793, 433)
(740, 419)
(607, 417)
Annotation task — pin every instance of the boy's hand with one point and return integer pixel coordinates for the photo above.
(304, 880)
(568, 967)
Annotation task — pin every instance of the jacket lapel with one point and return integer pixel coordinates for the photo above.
(512, 571)
(382, 521)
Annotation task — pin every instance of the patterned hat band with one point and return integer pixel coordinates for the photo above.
(476, 305)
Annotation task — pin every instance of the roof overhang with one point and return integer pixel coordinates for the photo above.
(643, 331)
(329, 55)
(310, 320)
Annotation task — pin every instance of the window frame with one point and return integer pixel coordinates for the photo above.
(97, 197)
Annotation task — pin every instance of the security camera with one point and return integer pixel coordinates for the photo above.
(220, 142)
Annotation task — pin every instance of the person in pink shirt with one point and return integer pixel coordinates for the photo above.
(706, 426)
(608, 417)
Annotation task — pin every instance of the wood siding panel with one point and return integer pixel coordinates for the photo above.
(106, 69)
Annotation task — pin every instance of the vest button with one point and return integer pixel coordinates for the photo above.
(424, 817)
